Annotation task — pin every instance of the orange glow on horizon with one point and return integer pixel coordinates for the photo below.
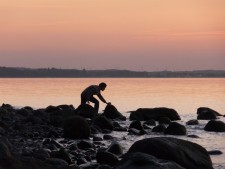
(113, 27)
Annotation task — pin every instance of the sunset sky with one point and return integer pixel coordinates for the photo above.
(138, 35)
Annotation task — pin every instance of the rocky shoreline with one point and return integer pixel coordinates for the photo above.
(59, 137)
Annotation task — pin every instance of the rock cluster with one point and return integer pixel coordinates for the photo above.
(62, 138)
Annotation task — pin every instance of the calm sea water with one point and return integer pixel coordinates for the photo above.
(184, 95)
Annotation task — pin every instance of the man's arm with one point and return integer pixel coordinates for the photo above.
(101, 98)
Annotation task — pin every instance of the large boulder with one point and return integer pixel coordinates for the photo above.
(185, 153)
(104, 157)
(57, 114)
(215, 125)
(145, 161)
(111, 112)
(145, 114)
(175, 129)
(86, 111)
(103, 123)
(115, 148)
(205, 113)
(76, 128)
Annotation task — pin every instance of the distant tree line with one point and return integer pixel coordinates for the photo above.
(13, 72)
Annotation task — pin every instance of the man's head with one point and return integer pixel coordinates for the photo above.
(102, 86)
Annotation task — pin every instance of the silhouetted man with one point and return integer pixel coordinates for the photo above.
(88, 95)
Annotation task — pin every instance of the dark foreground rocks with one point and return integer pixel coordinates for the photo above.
(60, 137)
(184, 153)
(145, 114)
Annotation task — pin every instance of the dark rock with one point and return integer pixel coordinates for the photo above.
(76, 128)
(57, 162)
(83, 145)
(104, 167)
(66, 107)
(62, 154)
(136, 132)
(5, 147)
(87, 111)
(206, 114)
(8, 107)
(164, 120)
(24, 112)
(50, 109)
(145, 161)
(186, 154)
(103, 123)
(146, 127)
(206, 109)
(159, 128)
(145, 114)
(192, 122)
(41, 154)
(28, 108)
(115, 148)
(215, 152)
(175, 129)
(95, 138)
(136, 125)
(150, 122)
(111, 112)
(193, 136)
(88, 166)
(215, 125)
(81, 161)
(108, 137)
(108, 158)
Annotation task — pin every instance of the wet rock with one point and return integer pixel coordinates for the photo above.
(115, 148)
(95, 138)
(62, 154)
(164, 120)
(206, 109)
(185, 153)
(215, 125)
(83, 145)
(159, 128)
(108, 137)
(103, 123)
(145, 161)
(136, 125)
(104, 167)
(145, 114)
(215, 152)
(8, 107)
(86, 111)
(175, 129)
(150, 122)
(81, 161)
(57, 162)
(192, 122)
(193, 136)
(206, 114)
(76, 128)
(108, 158)
(111, 112)
(133, 131)
(42, 154)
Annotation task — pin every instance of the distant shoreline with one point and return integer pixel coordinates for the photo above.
(12, 72)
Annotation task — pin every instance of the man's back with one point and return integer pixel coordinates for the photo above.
(90, 91)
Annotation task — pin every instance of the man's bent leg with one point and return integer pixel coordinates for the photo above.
(83, 102)
(96, 102)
